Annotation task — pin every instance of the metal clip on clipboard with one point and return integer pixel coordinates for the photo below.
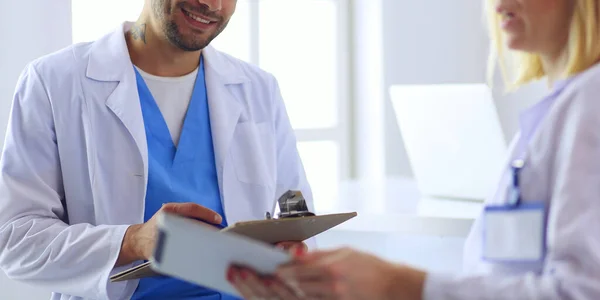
(292, 204)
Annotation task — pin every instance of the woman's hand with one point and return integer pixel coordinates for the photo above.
(349, 274)
(252, 286)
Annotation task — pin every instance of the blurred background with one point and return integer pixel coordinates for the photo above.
(336, 61)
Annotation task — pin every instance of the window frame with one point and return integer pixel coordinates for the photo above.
(341, 133)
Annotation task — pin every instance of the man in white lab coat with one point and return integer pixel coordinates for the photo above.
(103, 136)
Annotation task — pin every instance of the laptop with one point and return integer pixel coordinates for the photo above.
(453, 138)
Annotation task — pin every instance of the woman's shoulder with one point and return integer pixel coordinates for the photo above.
(573, 121)
(581, 96)
(585, 85)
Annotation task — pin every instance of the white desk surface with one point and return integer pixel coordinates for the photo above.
(395, 205)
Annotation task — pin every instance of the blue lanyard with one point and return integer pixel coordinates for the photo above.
(514, 198)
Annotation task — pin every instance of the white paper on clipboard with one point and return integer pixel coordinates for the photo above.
(200, 254)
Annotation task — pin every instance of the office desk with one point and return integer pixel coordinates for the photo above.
(397, 223)
(395, 205)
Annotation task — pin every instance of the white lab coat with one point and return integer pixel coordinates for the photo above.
(563, 170)
(74, 167)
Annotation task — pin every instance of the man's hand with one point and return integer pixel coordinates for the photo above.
(140, 239)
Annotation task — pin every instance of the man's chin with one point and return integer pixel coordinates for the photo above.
(187, 39)
(191, 46)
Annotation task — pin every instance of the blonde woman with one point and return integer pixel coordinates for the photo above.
(539, 236)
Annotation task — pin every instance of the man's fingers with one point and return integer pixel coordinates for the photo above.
(195, 211)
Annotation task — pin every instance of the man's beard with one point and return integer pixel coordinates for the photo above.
(171, 31)
(163, 9)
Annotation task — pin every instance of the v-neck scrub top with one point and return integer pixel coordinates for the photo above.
(181, 169)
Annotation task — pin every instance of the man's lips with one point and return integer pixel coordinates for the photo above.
(198, 17)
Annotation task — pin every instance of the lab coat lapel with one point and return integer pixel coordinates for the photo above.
(124, 100)
(221, 76)
(124, 103)
(225, 110)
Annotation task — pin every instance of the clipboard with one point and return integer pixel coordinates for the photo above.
(202, 255)
(295, 223)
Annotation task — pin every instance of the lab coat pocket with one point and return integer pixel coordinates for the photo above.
(253, 153)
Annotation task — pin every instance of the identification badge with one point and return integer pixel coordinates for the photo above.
(514, 233)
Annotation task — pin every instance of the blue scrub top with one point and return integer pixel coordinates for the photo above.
(186, 173)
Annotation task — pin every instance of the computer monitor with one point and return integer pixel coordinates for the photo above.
(453, 138)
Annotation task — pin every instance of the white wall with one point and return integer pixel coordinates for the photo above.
(28, 29)
(439, 41)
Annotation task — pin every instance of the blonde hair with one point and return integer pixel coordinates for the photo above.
(583, 46)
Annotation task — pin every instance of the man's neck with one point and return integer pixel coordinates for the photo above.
(150, 51)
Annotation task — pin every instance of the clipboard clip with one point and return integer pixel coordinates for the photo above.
(292, 204)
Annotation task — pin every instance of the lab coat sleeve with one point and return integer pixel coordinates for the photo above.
(37, 246)
(572, 266)
(290, 170)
